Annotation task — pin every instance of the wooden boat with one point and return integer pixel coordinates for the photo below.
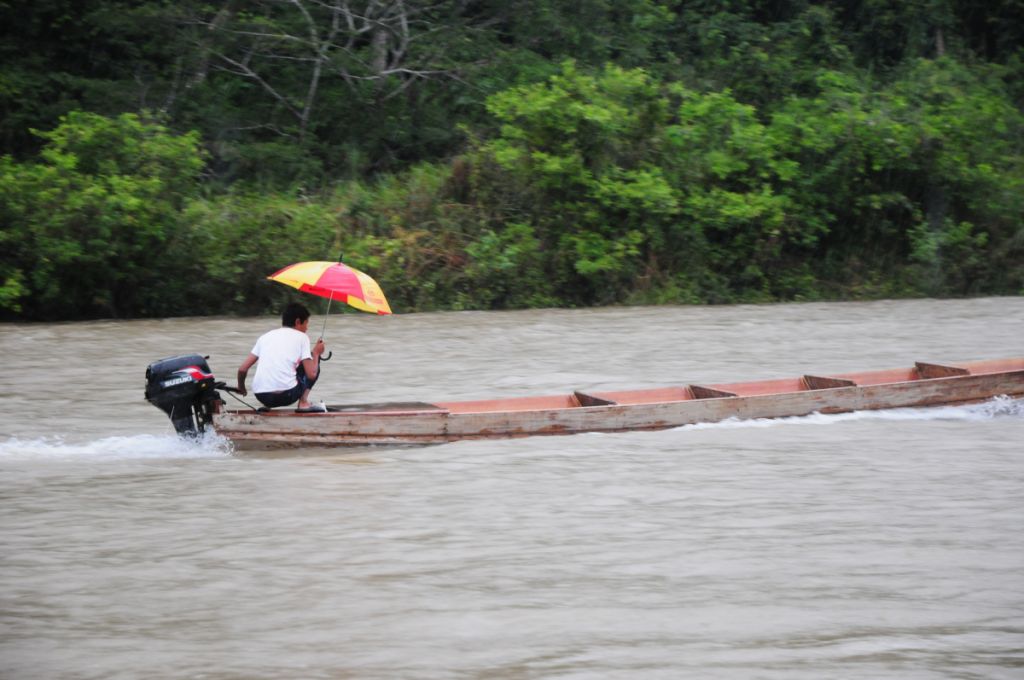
(924, 384)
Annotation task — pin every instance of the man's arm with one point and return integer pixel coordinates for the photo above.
(312, 366)
(243, 371)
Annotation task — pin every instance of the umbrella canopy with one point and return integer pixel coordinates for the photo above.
(335, 281)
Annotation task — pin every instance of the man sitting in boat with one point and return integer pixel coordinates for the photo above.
(287, 369)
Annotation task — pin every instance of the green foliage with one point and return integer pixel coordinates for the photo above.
(893, 175)
(90, 229)
(715, 200)
(585, 149)
(507, 154)
(430, 249)
(967, 145)
(505, 271)
(237, 240)
(731, 173)
(631, 181)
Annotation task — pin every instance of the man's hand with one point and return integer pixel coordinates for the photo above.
(318, 348)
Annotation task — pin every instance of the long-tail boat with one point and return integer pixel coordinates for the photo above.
(923, 384)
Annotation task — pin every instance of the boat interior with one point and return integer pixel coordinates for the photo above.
(919, 371)
(579, 399)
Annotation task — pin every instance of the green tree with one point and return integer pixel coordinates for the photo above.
(93, 227)
(736, 215)
(239, 239)
(915, 187)
(966, 154)
(584, 150)
(637, 186)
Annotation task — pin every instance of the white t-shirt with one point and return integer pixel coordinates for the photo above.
(279, 352)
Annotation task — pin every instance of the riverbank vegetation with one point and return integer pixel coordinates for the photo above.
(162, 159)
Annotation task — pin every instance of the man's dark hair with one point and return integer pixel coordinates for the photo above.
(292, 313)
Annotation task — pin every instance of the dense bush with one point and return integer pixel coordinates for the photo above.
(512, 154)
(94, 227)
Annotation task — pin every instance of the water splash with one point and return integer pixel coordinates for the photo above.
(997, 407)
(142, 446)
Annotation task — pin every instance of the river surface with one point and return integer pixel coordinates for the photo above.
(865, 545)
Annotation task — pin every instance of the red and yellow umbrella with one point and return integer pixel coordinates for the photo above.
(335, 281)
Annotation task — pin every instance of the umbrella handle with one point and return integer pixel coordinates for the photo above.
(328, 357)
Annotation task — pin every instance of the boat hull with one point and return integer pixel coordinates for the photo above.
(662, 408)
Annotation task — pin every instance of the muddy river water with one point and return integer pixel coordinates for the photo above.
(864, 545)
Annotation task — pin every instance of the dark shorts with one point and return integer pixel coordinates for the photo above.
(288, 397)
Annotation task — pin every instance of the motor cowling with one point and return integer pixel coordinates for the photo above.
(183, 387)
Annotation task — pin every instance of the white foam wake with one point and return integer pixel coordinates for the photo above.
(996, 407)
(124, 447)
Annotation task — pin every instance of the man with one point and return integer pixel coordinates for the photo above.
(287, 368)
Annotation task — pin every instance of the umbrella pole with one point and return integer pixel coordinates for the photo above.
(324, 329)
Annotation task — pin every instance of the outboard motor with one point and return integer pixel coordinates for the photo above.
(184, 388)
